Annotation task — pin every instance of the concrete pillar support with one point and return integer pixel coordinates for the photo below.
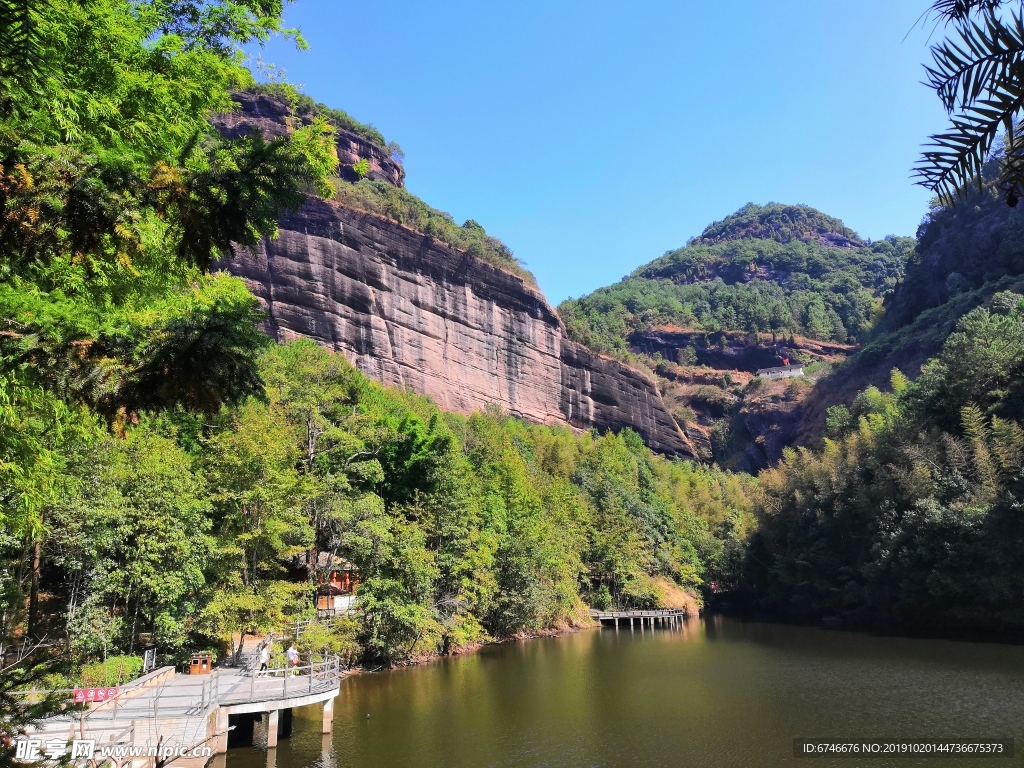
(220, 732)
(328, 715)
(272, 728)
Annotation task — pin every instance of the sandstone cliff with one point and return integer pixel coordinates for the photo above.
(412, 312)
(273, 118)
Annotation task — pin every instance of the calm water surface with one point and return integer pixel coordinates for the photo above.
(716, 692)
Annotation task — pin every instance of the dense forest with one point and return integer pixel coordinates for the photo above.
(910, 514)
(190, 527)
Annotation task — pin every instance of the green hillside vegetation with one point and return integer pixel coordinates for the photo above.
(961, 248)
(910, 514)
(966, 253)
(764, 269)
(403, 207)
(775, 221)
(306, 106)
(464, 529)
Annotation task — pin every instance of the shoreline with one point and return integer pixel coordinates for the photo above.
(419, 659)
(467, 649)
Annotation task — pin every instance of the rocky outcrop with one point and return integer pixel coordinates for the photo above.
(412, 312)
(273, 118)
(729, 350)
(600, 392)
(770, 414)
(708, 383)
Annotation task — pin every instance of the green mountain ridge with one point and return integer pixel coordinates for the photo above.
(779, 269)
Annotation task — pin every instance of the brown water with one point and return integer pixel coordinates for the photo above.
(716, 692)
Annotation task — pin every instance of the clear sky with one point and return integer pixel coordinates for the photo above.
(593, 136)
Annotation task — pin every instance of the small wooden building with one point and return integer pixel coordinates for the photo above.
(339, 580)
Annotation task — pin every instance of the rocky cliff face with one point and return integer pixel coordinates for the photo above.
(412, 312)
(707, 382)
(735, 351)
(273, 118)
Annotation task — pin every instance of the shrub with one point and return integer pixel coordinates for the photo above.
(400, 205)
(306, 106)
(114, 671)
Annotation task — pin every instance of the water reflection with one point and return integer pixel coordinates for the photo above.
(718, 693)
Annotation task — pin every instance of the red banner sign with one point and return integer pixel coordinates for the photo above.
(89, 695)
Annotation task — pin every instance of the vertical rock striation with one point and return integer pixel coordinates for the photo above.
(412, 312)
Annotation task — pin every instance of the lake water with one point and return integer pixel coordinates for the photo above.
(714, 692)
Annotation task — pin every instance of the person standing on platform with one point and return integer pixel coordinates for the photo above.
(293, 658)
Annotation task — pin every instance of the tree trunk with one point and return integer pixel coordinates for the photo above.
(135, 622)
(33, 596)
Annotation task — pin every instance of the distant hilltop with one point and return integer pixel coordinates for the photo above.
(783, 224)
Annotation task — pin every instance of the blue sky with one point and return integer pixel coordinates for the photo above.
(593, 136)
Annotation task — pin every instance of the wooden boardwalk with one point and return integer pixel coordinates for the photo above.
(663, 617)
(166, 708)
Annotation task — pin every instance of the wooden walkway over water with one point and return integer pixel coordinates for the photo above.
(663, 617)
(167, 708)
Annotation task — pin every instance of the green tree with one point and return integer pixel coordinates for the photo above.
(131, 532)
(260, 525)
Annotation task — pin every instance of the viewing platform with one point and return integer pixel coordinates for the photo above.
(169, 708)
(653, 617)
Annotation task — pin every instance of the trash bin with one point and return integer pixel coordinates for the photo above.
(201, 664)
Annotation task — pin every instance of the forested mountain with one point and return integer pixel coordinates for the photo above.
(966, 253)
(909, 514)
(777, 269)
(765, 286)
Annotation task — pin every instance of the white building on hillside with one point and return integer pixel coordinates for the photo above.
(783, 372)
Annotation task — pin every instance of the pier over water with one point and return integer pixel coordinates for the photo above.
(655, 617)
(166, 708)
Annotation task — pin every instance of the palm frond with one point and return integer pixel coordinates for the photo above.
(961, 10)
(979, 76)
(17, 41)
(984, 55)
